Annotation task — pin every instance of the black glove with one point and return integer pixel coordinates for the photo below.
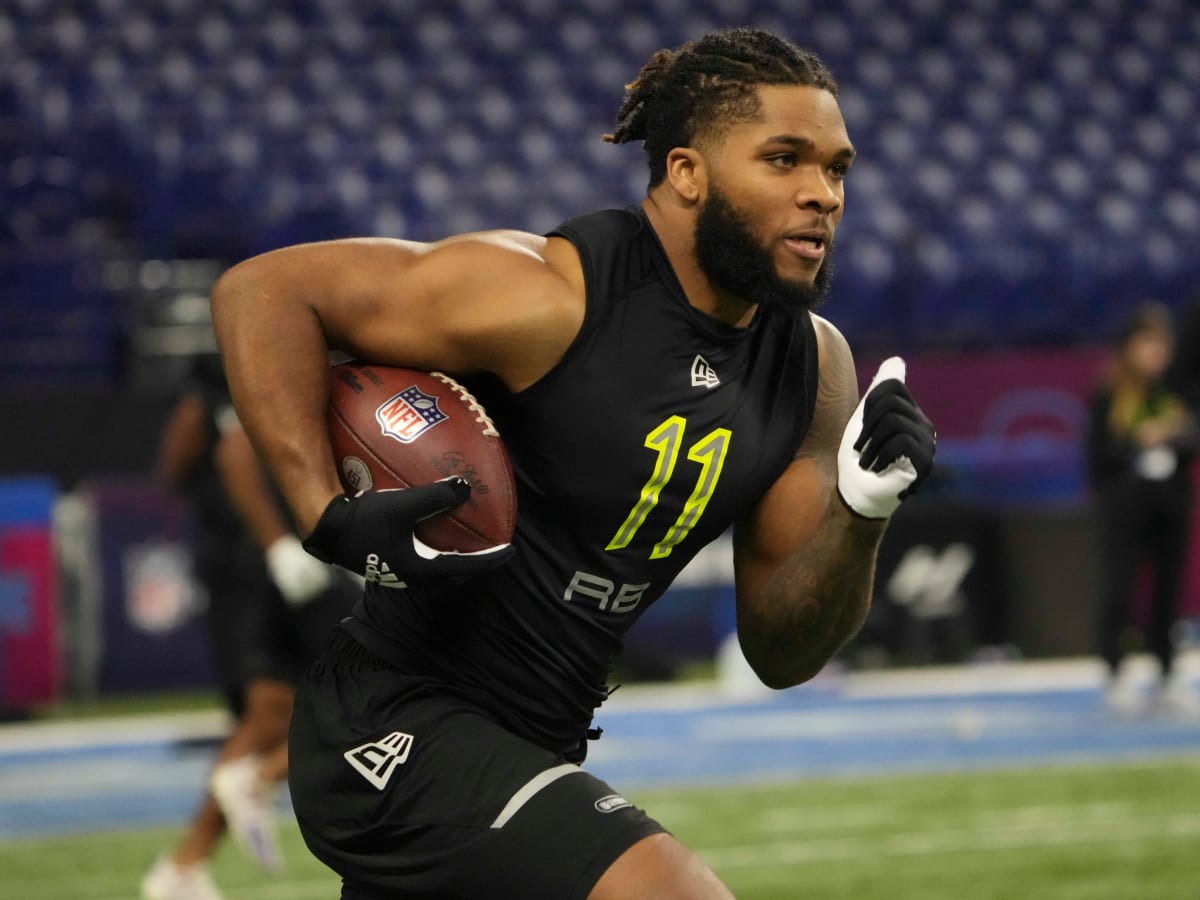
(888, 446)
(371, 533)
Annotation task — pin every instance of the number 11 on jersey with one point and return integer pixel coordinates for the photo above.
(667, 441)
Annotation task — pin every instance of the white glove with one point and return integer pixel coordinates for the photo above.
(298, 576)
(887, 447)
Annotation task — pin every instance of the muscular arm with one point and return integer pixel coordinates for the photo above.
(804, 563)
(503, 302)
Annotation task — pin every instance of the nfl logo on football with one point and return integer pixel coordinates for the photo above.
(409, 414)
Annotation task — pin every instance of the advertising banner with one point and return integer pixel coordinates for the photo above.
(153, 634)
(30, 650)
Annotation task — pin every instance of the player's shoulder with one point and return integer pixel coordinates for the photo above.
(610, 236)
(837, 389)
(602, 225)
(613, 224)
(617, 249)
(502, 244)
(614, 242)
(513, 257)
(836, 358)
(507, 302)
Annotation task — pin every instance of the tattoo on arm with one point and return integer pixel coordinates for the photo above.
(813, 602)
(806, 574)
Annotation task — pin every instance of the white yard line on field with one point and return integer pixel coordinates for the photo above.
(1063, 832)
(851, 818)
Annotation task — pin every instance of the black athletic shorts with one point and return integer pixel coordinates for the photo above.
(408, 791)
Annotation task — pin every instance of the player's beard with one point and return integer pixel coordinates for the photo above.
(734, 260)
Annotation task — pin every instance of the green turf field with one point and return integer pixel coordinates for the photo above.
(1114, 832)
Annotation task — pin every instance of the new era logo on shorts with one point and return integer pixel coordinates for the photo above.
(377, 760)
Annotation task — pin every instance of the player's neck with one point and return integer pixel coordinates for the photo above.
(676, 230)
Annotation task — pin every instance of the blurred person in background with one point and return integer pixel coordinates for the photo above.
(271, 607)
(1184, 373)
(436, 744)
(1141, 438)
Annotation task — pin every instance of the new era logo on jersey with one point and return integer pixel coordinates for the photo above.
(703, 375)
(377, 760)
(409, 414)
(378, 572)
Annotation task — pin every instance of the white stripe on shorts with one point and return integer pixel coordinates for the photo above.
(530, 788)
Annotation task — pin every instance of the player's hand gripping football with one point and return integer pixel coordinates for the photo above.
(372, 533)
(887, 448)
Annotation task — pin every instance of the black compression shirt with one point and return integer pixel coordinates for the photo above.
(658, 429)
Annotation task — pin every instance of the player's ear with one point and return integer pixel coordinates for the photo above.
(687, 173)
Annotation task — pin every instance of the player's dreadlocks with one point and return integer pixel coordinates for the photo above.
(681, 95)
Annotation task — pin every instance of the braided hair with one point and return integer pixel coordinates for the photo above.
(690, 93)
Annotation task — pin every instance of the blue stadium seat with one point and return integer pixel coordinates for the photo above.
(1004, 148)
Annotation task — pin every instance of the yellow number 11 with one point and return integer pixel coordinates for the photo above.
(666, 440)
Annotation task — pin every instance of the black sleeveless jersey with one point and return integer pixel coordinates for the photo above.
(656, 431)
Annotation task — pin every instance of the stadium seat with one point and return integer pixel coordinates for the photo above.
(1002, 147)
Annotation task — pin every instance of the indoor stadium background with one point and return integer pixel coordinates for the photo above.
(1028, 173)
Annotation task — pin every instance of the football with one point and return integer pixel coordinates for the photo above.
(394, 427)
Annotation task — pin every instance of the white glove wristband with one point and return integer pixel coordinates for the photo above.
(298, 576)
(873, 495)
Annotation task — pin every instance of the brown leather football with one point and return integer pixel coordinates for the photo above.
(395, 428)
